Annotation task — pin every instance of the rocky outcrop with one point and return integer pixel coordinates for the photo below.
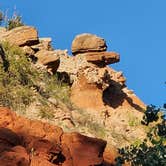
(98, 92)
(94, 84)
(28, 50)
(30, 143)
(102, 58)
(50, 59)
(21, 36)
(101, 92)
(44, 44)
(88, 43)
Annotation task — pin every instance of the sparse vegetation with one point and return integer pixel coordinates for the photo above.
(46, 113)
(133, 121)
(16, 83)
(15, 21)
(21, 84)
(12, 22)
(87, 124)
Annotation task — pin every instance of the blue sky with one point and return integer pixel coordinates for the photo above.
(135, 29)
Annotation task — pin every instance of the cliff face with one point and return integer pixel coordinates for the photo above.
(102, 105)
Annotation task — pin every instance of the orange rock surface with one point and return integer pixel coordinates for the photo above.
(32, 143)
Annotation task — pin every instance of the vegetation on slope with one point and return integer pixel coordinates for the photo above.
(22, 83)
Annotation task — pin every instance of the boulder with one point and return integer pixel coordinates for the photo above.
(49, 59)
(88, 43)
(102, 58)
(21, 36)
(84, 150)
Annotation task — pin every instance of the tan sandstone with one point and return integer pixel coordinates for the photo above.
(21, 36)
(88, 43)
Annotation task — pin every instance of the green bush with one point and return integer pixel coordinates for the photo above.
(152, 151)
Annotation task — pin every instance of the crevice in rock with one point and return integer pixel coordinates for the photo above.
(57, 158)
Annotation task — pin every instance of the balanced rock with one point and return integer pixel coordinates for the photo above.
(21, 36)
(88, 43)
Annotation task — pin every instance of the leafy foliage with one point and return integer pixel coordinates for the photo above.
(151, 114)
(152, 151)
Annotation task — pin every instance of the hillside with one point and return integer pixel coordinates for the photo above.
(49, 89)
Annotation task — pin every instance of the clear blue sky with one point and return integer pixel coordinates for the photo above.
(134, 28)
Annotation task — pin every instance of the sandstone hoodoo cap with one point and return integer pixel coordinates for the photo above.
(88, 43)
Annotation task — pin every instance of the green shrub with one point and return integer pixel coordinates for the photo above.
(152, 151)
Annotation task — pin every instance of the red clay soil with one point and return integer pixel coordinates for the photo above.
(25, 142)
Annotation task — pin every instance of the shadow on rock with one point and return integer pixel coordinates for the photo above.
(115, 97)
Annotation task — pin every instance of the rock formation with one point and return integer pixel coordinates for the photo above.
(33, 143)
(21, 36)
(102, 104)
(49, 59)
(95, 85)
(87, 43)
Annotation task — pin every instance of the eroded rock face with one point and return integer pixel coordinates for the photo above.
(102, 58)
(49, 59)
(33, 143)
(84, 150)
(28, 50)
(44, 44)
(21, 36)
(95, 85)
(88, 43)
